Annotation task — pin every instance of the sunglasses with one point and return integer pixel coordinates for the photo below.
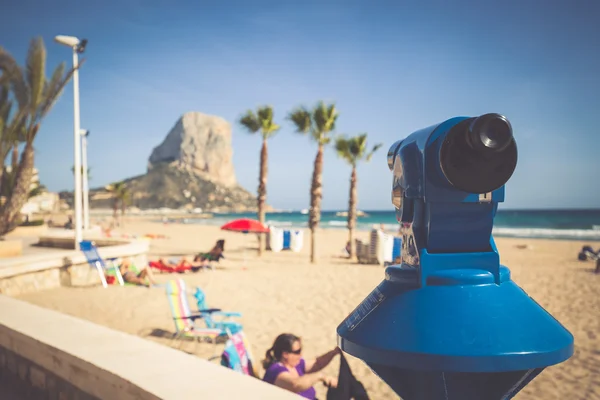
(299, 351)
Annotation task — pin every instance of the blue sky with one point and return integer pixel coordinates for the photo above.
(391, 67)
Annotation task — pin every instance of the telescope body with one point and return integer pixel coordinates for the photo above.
(448, 322)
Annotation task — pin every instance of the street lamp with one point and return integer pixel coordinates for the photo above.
(78, 46)
(84, 170)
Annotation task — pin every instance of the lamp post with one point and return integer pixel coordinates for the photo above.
(84, 170)
(78, 46)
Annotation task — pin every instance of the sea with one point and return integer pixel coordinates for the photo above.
(564, 224)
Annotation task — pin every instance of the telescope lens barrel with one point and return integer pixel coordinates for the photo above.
(479, 155)
(490, 132)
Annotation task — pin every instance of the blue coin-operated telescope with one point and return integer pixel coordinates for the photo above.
(449, 323)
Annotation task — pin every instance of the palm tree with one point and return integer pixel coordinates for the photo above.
(10, 129)
(318, 123)
(89, 169)
(120, 195)
(353, 150)
(34, 95)
(261, 121)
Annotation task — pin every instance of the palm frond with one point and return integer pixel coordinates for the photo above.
(375, 148)
(270, 129)
(5, 128)
(325, 117)
(265, 113)
(4, 92)
(11, 72)
(342, 148)
(301, 120)
(354, 149)
(11, 126)
(268, 126)
(5, 107)
(89, 169)
(52, 85)
(36, 72)
(54, 92)
(250, 122)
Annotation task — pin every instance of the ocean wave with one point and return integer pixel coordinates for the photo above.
(500, 231)
(280, 223)
(337, 223)
(544, 233)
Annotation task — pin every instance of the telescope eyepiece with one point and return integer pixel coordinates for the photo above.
(490, 132)
(479, 155)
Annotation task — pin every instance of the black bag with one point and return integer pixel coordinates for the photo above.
(348, 386)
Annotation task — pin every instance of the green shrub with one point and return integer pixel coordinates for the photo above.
(35, 222)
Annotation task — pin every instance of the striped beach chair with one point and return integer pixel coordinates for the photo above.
(237, 355)
(184, 319)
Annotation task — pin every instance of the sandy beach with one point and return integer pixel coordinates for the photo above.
(282, 292)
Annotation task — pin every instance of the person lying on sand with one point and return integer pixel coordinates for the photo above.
(183, 264)
(137, 278)
(285, 367)
(199, 262)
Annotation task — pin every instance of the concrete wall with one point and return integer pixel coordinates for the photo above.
(32, 273)
(45, 354)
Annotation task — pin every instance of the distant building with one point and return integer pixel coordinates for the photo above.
(41, 203)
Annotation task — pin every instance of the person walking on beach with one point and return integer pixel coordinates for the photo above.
(285, 367)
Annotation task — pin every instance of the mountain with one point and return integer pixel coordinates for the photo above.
(191, 168)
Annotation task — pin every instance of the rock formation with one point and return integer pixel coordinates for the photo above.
(191, 168)
(200, 144)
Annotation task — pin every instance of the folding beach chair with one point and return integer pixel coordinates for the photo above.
(237, 355)
(184, 319)
(94, 259)
(208, 313)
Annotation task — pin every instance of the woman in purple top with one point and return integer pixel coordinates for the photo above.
(285, 367)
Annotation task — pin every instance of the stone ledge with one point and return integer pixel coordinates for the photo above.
(20, 275)
(107, 364)
(10, 248)
(37, 262)
(69, 242)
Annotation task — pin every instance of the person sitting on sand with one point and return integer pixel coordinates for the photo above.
(215, 254)
(136, 278)
(285, 367)
(69, 223)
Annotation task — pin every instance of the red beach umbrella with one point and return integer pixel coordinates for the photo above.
(245, 225)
